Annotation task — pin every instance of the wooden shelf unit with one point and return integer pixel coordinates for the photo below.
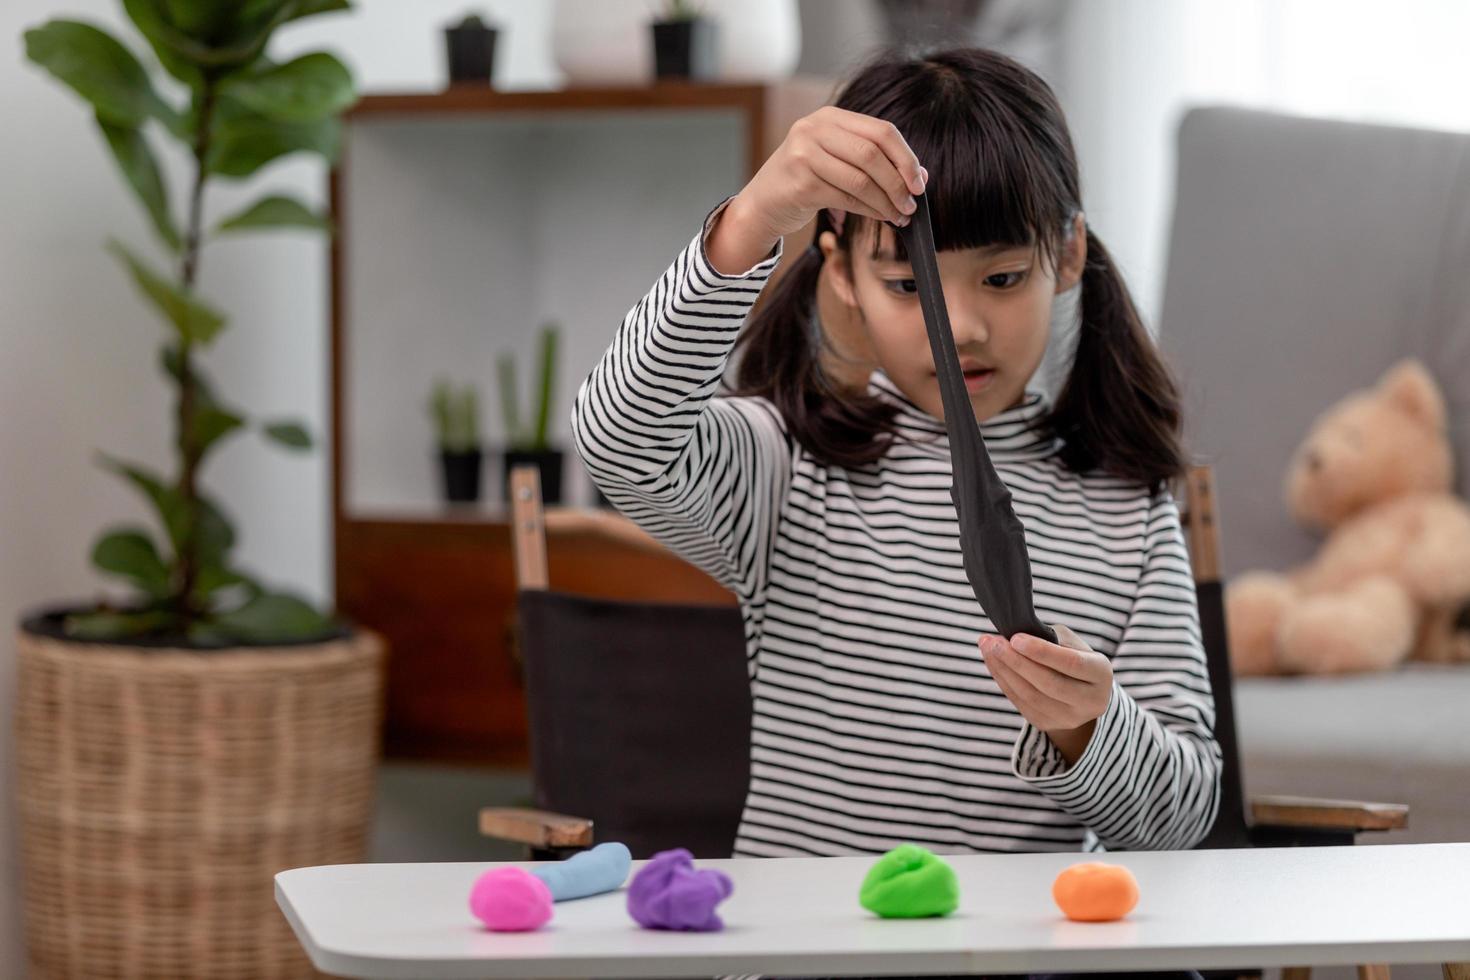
(438, 583)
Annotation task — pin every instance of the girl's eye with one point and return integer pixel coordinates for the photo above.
(901, 287)
(1005, 280)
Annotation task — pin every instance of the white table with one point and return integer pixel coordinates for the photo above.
(1200, 909)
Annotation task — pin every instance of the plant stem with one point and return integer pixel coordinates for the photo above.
(188, 557)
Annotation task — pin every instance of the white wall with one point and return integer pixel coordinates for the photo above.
(1128, 70)
(468, 234)
(77, 348)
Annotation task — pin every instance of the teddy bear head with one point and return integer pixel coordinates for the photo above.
(1370, 447)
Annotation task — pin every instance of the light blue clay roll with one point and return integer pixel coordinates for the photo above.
(602, 869)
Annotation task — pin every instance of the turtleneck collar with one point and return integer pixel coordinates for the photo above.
(1017, 433)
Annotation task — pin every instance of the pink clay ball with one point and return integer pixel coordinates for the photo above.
(510, 900)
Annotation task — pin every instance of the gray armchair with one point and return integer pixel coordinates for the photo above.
(1306, 257)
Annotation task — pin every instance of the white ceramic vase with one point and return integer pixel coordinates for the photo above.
(760, 40)
(603, 42)
(608, 42)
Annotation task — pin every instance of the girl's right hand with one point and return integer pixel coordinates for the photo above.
(832, 158)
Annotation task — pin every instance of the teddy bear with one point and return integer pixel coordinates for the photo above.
(1392, 579)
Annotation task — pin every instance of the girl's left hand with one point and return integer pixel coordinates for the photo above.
(1062, 689)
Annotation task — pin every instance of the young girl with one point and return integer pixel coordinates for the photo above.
(885, 710)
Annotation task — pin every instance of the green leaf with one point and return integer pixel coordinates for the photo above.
(172, 362)
(189, 58)
(510, 400)
(275, 212)
(99, 69)
(292, 435)
(215, 536)
(302, 90)
(212, 423)
(216, 578)
(255, 10)
(165, 499)
(545, 389)
(248, 39)
(311, 8)
(194, 320)
(169, 45)
(273, 617)
(244, 141)
(195, 38)
(130, 553)
(207, 21)
(135, 158)
(109, 625)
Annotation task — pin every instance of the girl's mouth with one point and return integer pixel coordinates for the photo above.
(978, 379)
(978, 376)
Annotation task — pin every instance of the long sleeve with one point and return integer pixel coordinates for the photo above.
(705, 475)
(1150, 776)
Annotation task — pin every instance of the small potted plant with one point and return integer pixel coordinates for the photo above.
(532, 444)
(470, 47)
(685, 43)
(456, 414)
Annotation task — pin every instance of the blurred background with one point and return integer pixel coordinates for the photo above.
(491, 234)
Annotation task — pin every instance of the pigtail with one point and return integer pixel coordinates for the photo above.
(1119, 409)
(780, 355)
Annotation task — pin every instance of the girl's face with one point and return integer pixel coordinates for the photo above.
(999, 300)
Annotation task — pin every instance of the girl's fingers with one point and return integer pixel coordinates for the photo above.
(891, 141)
(1003, 681)
(867, 156)
(1069, 662)
(854, 185)
(1055, 685)
(1037, 706)
(1068, 639)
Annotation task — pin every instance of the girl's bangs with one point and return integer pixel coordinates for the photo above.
(988, 182)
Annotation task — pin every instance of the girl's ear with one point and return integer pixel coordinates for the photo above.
(1073, 257)
(836, 269)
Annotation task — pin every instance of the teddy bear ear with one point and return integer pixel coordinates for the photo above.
(1410, 387)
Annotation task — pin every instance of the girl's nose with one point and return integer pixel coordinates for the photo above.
(965, 320)
(968, 330)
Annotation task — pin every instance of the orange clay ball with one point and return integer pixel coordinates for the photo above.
(1095, 892)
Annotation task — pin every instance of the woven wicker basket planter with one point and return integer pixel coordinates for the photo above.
(160, 790)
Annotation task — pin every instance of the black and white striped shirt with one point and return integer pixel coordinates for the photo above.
(876, 721)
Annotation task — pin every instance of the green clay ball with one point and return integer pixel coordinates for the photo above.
(910, 882)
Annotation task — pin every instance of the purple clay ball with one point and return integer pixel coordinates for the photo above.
(670, 893)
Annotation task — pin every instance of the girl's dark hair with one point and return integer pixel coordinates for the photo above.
(1002, 171)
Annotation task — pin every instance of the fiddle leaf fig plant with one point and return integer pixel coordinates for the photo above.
(231, 109)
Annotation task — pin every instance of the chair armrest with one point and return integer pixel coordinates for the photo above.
(1349, 815)
(535, 828)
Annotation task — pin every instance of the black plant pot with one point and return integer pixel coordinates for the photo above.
(548, 461)
(461, 473)
(685, 48)
(471, 51)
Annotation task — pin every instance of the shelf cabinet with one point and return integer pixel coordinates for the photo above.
(465, 220)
